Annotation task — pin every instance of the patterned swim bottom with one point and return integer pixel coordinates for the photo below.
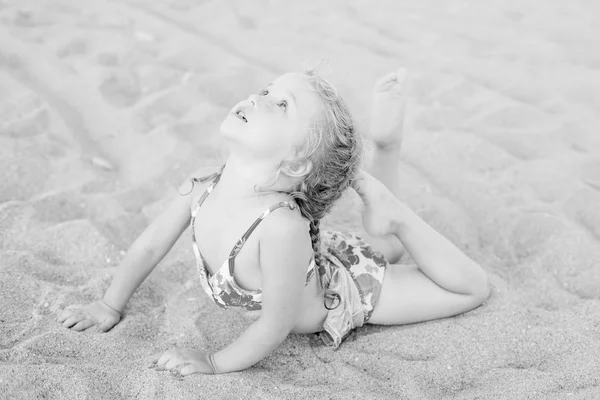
(354, 271)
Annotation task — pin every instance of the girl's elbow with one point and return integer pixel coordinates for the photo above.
(277, 329)
(281, 331)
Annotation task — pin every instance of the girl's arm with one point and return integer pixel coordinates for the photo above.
(147, 251)
(141, 258)
(285, 253)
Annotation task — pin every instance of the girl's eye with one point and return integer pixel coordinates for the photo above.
(283, 105)
(263, 92)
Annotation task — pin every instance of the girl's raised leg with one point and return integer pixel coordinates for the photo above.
(385, 132)
(386, 129)
(444, 281)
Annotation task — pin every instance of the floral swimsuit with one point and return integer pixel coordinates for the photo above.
(351, 274)
(222, 286)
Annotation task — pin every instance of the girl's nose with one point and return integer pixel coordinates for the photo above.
(253, 100)
(260, 101)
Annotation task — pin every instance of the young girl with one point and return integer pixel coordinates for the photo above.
(255, 230)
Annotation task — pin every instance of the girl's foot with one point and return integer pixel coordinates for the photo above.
(387, 110)
(382, 209)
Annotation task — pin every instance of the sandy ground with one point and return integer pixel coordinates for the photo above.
(106, 105)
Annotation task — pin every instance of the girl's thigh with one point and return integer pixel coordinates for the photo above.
(408, 296)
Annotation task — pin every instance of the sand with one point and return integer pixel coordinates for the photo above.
(106, 106)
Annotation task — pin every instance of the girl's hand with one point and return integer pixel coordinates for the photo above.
(184, 362)
(97, 313)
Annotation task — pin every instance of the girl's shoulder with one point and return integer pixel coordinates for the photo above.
(285, 234)
(197, 182)
(285, 221)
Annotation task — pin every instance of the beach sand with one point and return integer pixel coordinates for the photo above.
(106, 106)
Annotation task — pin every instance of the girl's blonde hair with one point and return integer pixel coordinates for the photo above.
(334, 148)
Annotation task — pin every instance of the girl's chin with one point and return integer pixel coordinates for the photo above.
(231, 127)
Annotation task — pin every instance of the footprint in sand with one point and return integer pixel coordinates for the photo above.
(583, 207)
(590, 173)
(32, 124)
(121, 88)
(58, 207)
(108, 59)
(75, 47)
(249, 15)
(20, 176)
(23, 115)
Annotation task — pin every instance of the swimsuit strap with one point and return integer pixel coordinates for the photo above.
(216, 176)
(240, 243)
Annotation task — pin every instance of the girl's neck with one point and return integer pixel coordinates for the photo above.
(245, 177)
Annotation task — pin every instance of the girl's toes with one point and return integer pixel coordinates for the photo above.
(398, 86)
(387, 110)
(385, 82)
(392, 82)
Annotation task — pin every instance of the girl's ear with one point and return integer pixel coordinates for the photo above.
(297, 170)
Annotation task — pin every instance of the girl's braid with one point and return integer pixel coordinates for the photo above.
(334, 149)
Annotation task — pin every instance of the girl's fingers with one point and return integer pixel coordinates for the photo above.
(83, 325)
(72, 320)
(69, 312)
(155, 359)
(64, 315)
(162, 360)
(107, 324)
(176, 371)
(173, 362)
(188, 369)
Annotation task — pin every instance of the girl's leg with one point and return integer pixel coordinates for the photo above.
(443, 282)
(385, 131)
(387, 127)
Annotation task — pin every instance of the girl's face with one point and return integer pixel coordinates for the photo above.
(274, 122)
